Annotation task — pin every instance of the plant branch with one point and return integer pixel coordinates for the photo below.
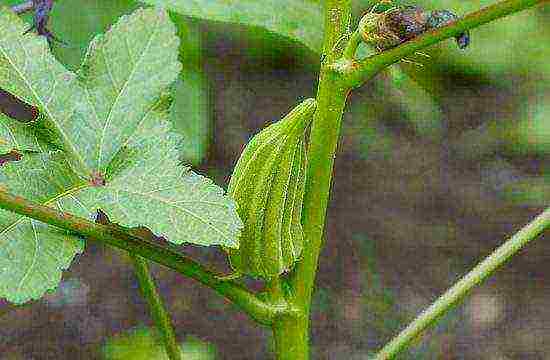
(158, 311)
(23, 7)
(163, 254)
(291, 331)
(358, 73)
(458, 291)
(325, 130)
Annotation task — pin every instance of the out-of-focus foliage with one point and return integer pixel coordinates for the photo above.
(533, 191)
(191, 111)
(298, 19)
(144, 344)
(510, 53)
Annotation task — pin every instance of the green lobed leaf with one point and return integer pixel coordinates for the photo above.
(300, 20)
(152, 190)
(139, 159)
(121, 77)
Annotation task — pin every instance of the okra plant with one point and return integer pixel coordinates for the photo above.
(91, 155)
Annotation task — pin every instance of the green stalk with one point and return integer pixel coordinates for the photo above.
(291, 331)
(458, 291)
(325, 131)
(156, 305)
(165, 255)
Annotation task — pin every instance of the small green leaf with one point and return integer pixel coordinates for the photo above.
(296, 19)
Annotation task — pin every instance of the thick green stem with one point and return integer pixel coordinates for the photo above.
(322, 148)
(325, 130)
(158, 311)
(291, 335)
(165, 255)
(456, 293)
(291, 331)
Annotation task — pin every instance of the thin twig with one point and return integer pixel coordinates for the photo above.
(158, 310)
(458, 291)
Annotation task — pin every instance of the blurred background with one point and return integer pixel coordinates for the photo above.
(436, 167)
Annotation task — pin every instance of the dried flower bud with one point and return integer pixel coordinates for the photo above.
(407, 22)
(402, 23)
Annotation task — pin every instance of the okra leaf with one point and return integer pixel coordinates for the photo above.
(116, 150)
